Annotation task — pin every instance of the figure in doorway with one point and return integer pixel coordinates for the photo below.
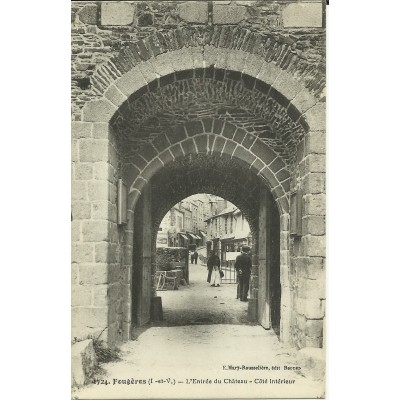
(243, 269)
(214, 266)
(195, 256)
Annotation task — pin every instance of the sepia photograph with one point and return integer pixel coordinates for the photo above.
(198, 208)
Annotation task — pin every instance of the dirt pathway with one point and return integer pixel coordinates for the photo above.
(205, 348)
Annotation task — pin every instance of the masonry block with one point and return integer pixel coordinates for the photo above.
(313, 225)
(313, 328)
(221, 61)
(219, 145)
(315, 204)
(193, 11)
(81, 295)
(101, 130)
(74, 150)
(79, 190)
(236, 60)
(160, 142)
(139, 184)
(131, 82)
(304, 100)
(81, 129)
(115, 95)
(176, 134)
(91, 150)
(194, 128)
(276, 165)
(151, 169)
(104, 210)
(82, 252)
(228, 14)
(98, 111)
(243, 154)
(100, 297)
(257, 166)
(95, 231)
(103, 171)
(106, 252)
(310, 308)
(239, 135)
(253, 65)
(314, 246)
(269, 176)
(268, 73)
(165, 157)
(315, 163)
(117, 13)
(81, 210)
(88, 316)
(201, 143)
(88, 14)
(316, 118)
(98, 190)
(248, 140)
(316, 142)
(189, 147)
(75, 231)
(83, 171)
(302, 15)
(93, 274)
(263, 151)
(163, 64)
(210, 55)
(287, 85)
(314, 183)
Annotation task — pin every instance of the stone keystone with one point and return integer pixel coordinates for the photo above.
(117, 13)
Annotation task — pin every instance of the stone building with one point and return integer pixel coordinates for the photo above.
(175, 98)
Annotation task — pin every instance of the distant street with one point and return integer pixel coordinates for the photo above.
(199, 303)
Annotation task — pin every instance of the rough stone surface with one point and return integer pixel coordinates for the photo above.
(228, 14)
(88, 14)
(194, 11)
(83, 362)
(117, 13)
(302, 14)
(313, 362)
(161, 77)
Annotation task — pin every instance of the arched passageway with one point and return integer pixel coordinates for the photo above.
(254, 124)
(224, 177)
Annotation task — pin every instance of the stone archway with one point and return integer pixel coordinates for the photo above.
(276, 159)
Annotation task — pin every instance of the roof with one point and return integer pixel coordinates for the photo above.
(228, 210)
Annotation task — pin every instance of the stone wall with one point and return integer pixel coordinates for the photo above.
(101, 31)
(137, 66)
(307, 264)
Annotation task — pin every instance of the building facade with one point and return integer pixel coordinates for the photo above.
(175, 98)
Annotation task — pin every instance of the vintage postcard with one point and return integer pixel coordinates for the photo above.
(198, 199)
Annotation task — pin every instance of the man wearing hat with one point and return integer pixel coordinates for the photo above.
(243, 268)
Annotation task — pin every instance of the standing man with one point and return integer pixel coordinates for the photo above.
(195, 255)
(243, 269)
